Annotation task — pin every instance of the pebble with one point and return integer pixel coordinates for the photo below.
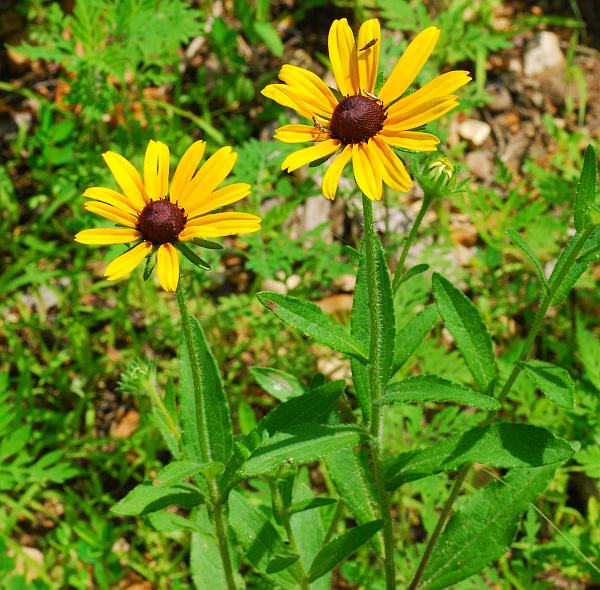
(474, 131)
(544, 55)
(480, 164)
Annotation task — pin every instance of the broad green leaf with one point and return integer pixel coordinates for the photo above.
(210, 400)
(577, 269)
(300, 445)
(410, 336)
(311, 321)
(554, 382)
(14, 443)
(281, 561)
(259, 539)
(279, 384)
(310, 504)
(147, 498)
(484, 527)
(585, 194)
(466, 325)
(588, 346)
(177, 470)
(524, 247)
(426, 388)
(342, 547)
(169, 521)
(165, 425)
(310, 407)
(502, 445)
(353, 482)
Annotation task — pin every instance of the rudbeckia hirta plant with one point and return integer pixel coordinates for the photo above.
(360, 125)
(157, 218)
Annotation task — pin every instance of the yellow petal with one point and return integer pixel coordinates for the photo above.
(310, 154)
(333, 173)
(288, 97)
(111, 213)
(410, 64)
(156, 170)
(107, 235)
(300, 134)
(429, 111)
(309, 86)
(212, 173)
(127, 178)
(410, 140)
(368, 59)
(224, 196)
(366, 172)
(125, 263)
(393, 171)
(342, 54)
(440, 87)
(220, 224)
(186, 168)
(167, 267)
(111, 197)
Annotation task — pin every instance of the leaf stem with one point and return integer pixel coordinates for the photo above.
(427, 200)
(216, 500)
(376, 386)
(492, 415)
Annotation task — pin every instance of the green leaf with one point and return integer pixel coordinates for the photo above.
(192, 256)
(281, 561)
(210, 399)
(342, 547)
(466, 325)
(269, 36)
(426, 388)
(207, 244)
(410, 336)
(165, 522)
(147, 498)
(310, 504)
(554, 382)
(279, 384)
(150, 262)
(524, 247)
(311, 321)
(577, 269)
(483, 529)
(589, 351)
(300, 445)
(585, 194)
(178, 470)
(258, 538)
(307, 408)
(412, 272)
(502, 445)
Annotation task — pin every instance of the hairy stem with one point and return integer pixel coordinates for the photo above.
(205, 450)
(376, 385)
(492, 415)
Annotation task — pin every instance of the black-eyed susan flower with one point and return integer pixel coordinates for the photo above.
(157, 218)
(361, 126)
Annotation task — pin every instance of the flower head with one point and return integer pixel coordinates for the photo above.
(154, 217)
(361, 126)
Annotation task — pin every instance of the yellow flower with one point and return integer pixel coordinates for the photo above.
(363, 127)
(157, 218)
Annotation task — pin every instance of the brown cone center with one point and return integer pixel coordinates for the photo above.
(357, 118)
(161, 222)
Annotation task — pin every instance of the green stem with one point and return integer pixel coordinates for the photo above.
(492, 415)
(158, 402)
(284, 518)
(427, 200)
(339, 511)
(376, 385)
(205, 450)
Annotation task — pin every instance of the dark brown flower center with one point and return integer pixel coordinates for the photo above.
(161, 222)
(357, 118)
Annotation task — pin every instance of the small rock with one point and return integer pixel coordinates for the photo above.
(293, 281)
(544, 55)
(480, 163)
(474, 131)
(501, 100)
(275, 286)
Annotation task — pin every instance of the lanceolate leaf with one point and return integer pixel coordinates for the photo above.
(300, 445)
(311, 321)
(412, 272)
(463, 320)
(586, 189)
(341, 548)
(310, 504)
(205, 559)
(147, 498)
(425, 388)
(502, 445)
(554, 382)
(177, 471)
(210, 401)
(192, 256)
(410, 336)
(524, 247)
(483, 529)
(279, 384)
(310, 407)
